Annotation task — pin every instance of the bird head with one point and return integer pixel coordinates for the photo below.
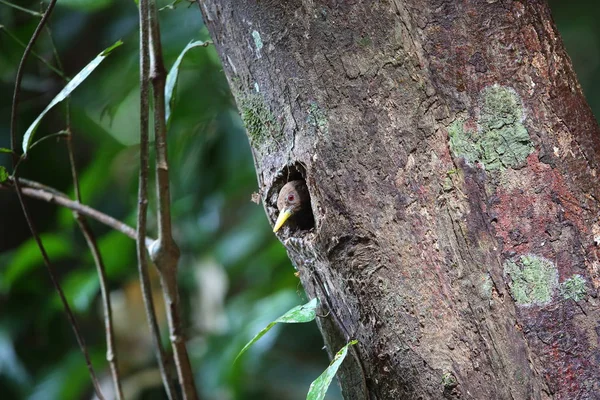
(293, 198)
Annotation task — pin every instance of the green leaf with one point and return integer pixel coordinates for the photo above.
(5, 150)
(3, 174)
(72, 85)
(320, 385)
(299, 314)
(172, 78)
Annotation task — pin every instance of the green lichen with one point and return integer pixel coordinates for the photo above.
(533, 279)
(573, 288)
(258, 118)
(463, 143)
(500, 107)
(317, 118)
(502, 141)
(364, 41)
(486, 287)
(257, 41)
(449, 380)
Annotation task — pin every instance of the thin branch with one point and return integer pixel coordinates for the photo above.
(45, 193)
(50, 136)
(19, 78)
(90, 238)
(15, 159)
(165, 252)
(111, 355)
(42, 192)
(58, 288)
(36, 55)
(37, 185)
(58, 63)
(26, 10)
(143, 198)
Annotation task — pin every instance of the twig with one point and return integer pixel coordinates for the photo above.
(143, 197)
(28, 11)
(36, 55)
(15, 158)
(165, 252)
(90, 238)
(50, 136)
(42, 192)
(111, 355)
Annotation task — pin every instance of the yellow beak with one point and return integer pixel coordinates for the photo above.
(283, 216)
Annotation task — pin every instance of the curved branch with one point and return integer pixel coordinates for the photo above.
(45, 193)
(18, 190)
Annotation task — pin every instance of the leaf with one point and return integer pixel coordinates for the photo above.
(172, 78)
(5, 150)
(3, 174)
(72, 85)
(320, 385)
(299, 314)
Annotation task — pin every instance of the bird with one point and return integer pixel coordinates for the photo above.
(293, 204)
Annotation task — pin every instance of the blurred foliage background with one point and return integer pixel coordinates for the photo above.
(235, 275)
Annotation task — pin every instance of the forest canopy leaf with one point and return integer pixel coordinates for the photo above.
(67, 90)
(172, 78)
(319, 387)
(3, 174)
(299, 314)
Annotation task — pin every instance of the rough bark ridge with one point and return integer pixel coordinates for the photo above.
(451, 160)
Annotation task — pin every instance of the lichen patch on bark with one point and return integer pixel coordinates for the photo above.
(257, 42)
(260, 122)
(533, 279)
(501, 141)
(317, 118)
(486, 287)
(574, 288)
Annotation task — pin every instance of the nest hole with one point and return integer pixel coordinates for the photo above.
(299, 223)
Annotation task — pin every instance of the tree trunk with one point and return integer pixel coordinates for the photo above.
(451, 160)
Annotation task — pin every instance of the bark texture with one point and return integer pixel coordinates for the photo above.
(452, 164)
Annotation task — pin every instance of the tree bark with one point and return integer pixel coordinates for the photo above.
(451, 160)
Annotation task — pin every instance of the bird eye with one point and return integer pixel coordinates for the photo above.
(291, 197)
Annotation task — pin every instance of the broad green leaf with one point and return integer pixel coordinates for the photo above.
(320, 385)
(3, 174)
(28, 256)
(299, 314)
(172, 78)
(5, 150)
(72, 85)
